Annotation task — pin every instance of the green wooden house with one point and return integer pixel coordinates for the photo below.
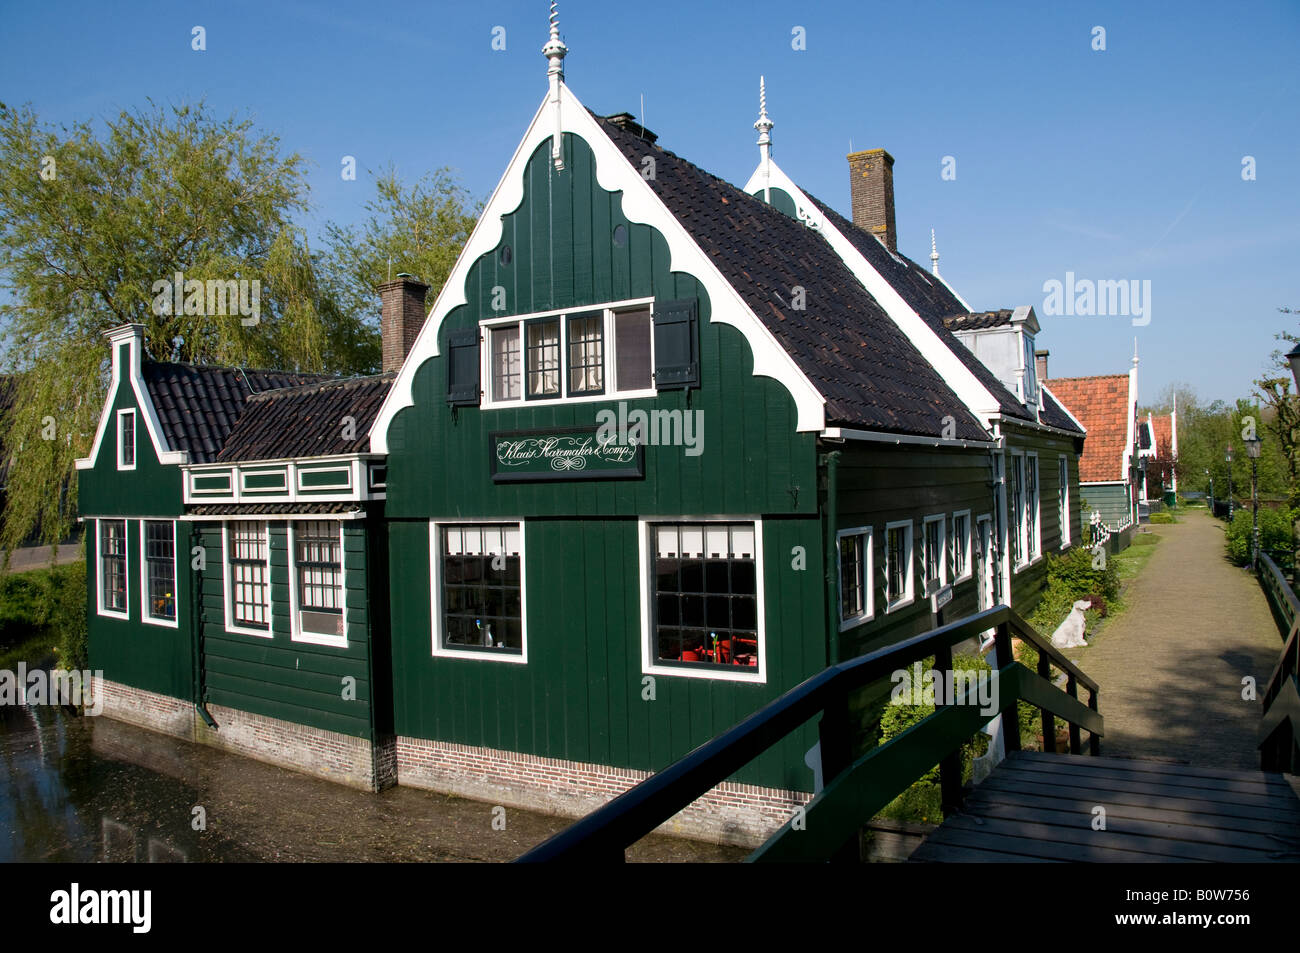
(661, 449)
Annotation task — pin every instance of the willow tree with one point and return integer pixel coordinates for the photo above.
(418, 228)
(92, 218)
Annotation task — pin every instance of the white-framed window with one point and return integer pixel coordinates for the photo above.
(318, 605)
(1063, 498)
(934, 554)
(158, 579)
(961, 546)
(1016, 507)
(898, 565)
(112, 562)
(126, 439)
(247, 567)
(477, 580)
(854, 555)
(702, 599)
(578, 354)
(1033, 525)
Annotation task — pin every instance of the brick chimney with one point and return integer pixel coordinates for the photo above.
(1040, 365)
(401, 317)
(871, 189)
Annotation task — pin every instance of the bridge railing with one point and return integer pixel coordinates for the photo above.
(855, 789)
(1279, 727)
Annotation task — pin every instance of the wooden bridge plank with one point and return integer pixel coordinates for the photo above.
(1153, 767)
(1105, 782)
(1079, 816)
(1022, 799)
(1258, 786)
(1114, 795)
(1029, 848)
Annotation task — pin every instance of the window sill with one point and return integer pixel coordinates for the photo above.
(720, 675)
(578, 399)
(899, 604)
(113, 614)
(479, 656)
(260, 633)
(161, 623)
(857, 620)
(315, 638)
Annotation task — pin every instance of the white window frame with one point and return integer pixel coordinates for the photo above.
(126, 571)
(868, 576)
(296, 633)
(649, 666)
(608, 354)
(435, 592)
(1063, 499)
(1034, 502)
(229, 594)
(145, 614)
(908, 595)
(942, 561)
(966, 543)
(1016, 511)
(135, 443)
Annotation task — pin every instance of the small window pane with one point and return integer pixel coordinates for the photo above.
(160, 556)
(128, 439)
(507, 364)
(482, 594)
(632, 332)
(112, 567)
(543, 358)
(587, 353)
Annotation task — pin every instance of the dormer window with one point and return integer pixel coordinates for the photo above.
(126, 439)
(592, 352)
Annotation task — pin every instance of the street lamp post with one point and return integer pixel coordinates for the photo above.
(1211, 479)
(1293, 359)
(1227, 456)
(1252, 450)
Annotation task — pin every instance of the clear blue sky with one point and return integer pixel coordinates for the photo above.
(1121, 164)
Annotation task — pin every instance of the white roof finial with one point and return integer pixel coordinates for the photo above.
(934, 255)
(1135, 352)
(554, 51)
(764, 125)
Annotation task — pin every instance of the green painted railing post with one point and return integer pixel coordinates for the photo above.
(835, 736)
(1094, 743)
(1049, 720)
(1072, 686)
(949, 767)
(1010, 714)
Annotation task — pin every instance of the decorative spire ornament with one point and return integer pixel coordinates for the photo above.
(554, 51)
(934, 255)
(764, 127)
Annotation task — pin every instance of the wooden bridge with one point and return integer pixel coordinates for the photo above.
(1034, 806)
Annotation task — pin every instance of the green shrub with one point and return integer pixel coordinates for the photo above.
(49, 601)
(1274, 535)
(1162, 518)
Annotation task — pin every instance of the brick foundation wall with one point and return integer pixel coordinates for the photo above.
(740, 814)
(327, 754)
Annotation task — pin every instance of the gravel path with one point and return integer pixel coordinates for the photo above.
(1171, 665)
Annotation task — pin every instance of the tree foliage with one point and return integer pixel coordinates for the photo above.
(417, 228)
(91, 217)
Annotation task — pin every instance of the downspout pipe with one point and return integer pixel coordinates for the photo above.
(831, 517)
(196, 616)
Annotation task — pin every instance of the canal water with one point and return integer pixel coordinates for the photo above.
(74, 788)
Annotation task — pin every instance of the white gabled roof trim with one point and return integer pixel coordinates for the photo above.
(844, 433)
(955, 374)
(131, 335)
(641, 205)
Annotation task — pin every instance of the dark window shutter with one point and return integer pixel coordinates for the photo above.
(677, 345)
(463, 368)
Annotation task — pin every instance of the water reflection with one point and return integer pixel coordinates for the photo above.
(95, 789)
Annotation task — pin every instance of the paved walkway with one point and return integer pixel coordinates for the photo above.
(1170, 666)
(38, 557)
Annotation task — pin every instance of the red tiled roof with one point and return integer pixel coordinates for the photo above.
(1163, 434)
(1101, 405)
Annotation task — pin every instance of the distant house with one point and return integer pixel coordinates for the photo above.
(1157, 454)
(1110, 473)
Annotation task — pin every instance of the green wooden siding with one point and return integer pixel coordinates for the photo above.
(882, 483)
(277, 676)
(1110, 499)
(131, 651)
(579, 695)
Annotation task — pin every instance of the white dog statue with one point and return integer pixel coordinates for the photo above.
(1069, 635)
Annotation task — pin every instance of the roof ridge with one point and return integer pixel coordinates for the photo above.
(339, 382)
(234, 367)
